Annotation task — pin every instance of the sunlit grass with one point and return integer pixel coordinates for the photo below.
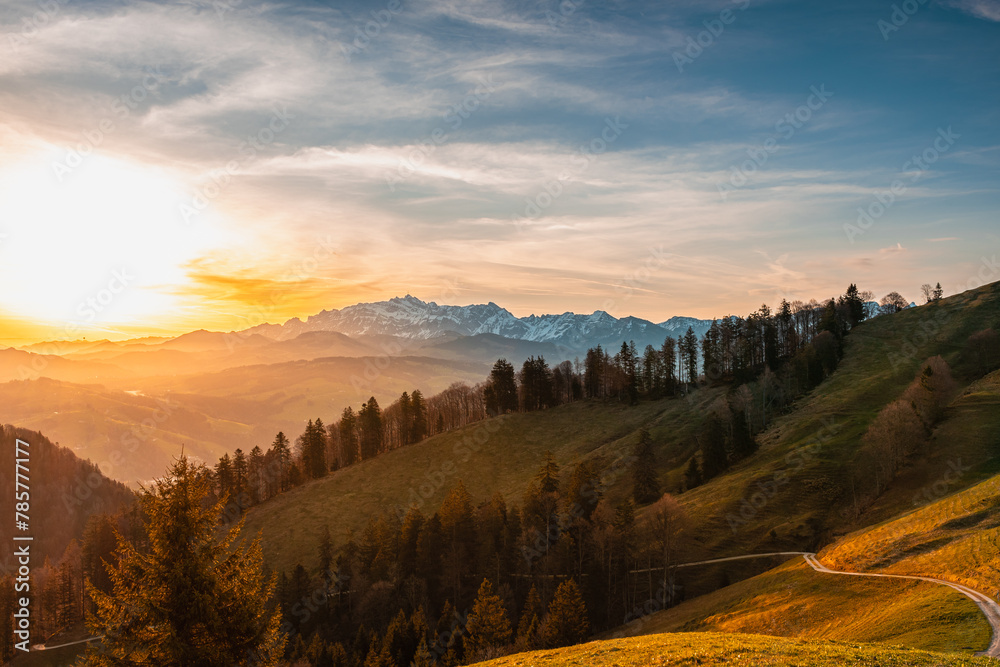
(728, 649)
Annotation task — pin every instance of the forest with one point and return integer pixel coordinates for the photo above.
(474, 580)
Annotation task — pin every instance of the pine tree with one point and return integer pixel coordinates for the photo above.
(713, 447)
(255, 473)
(350, 446)
(689, 355)
(98, 547)
(192, 598)
(500, 393)
(645, 484)
(627, 357)
(282, 450)
(423, 657)
(938, 293)
(224, 475)
(527, 627)
(488, 627)
(370, 425)
(418, 412)
(567, 621)
(548, 475)
(325, 551)
(239, 475)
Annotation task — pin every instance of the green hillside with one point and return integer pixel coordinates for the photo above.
(807, 455)
(511, 450)
(810, 448)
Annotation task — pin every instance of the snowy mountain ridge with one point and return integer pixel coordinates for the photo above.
(412, 318)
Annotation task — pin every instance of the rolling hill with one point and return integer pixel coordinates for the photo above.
(729, 649)
(142, 424)
(812, 448)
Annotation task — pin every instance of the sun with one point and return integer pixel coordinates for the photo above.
(95, 246)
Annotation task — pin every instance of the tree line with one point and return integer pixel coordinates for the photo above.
(774, 354)
(473, 581)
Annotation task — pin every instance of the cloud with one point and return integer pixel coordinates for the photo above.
(892, 250)
(944, 239)
(984, 9)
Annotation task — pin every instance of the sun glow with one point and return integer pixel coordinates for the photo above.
(99, 246)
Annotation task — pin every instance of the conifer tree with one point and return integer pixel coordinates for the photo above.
(548, 474)
(531, 615)
(282, 450)
(325, 551)
(370, 425)
(423, 657)
(713, 447)
(192, 597)
(349, 443)
(645, 485)
(239, 473)
(500, 393)
(488, 627)
(567, 621)
(418, 412)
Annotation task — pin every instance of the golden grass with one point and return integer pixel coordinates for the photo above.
(795, 601)
(728, 649)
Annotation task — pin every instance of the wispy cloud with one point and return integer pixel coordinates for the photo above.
(479, 206)
(984, 9)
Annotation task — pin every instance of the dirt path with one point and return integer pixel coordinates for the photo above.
(986, 604)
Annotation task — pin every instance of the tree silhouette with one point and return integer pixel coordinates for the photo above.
(191, 597)
(488, 627)
(567, 619)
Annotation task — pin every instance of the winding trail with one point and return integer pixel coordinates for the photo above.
(44, 647)
(986, 604)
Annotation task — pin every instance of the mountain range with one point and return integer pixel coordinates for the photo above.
(411, 318)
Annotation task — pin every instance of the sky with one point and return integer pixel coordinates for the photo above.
(172, 166)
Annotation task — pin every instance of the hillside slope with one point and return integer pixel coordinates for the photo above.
(728, 649)
(211, 414)
(799, 484)
(64, 491)
(498, 455)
